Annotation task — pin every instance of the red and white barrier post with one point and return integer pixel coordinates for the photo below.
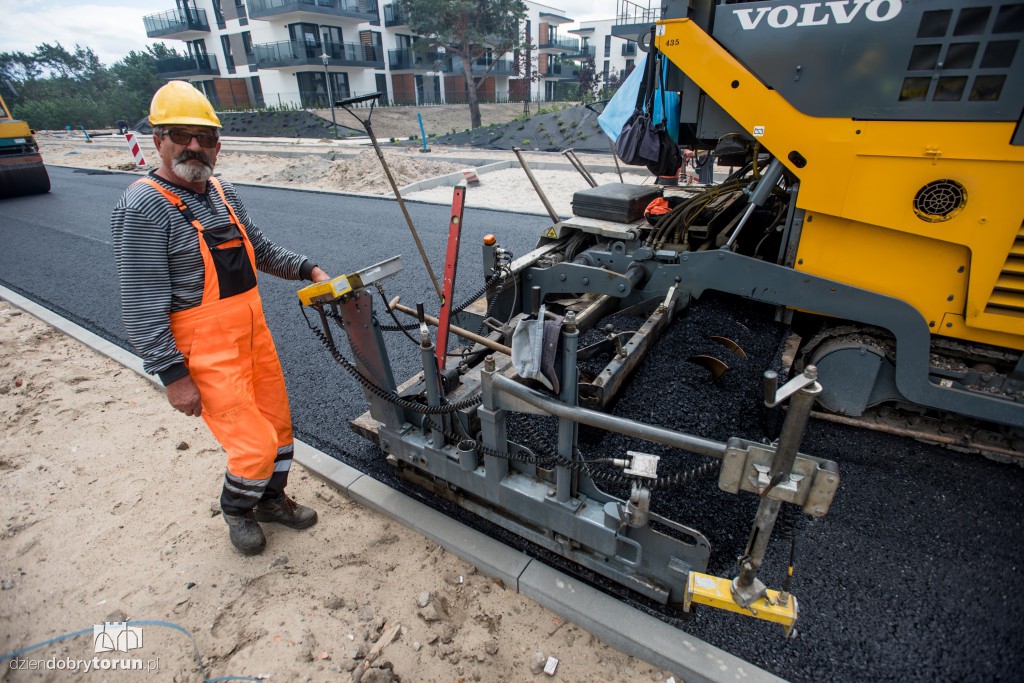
(133, 145)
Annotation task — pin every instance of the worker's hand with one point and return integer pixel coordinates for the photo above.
(318, 274)
(184, 396)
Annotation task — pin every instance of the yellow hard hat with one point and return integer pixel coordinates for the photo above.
(180, 103)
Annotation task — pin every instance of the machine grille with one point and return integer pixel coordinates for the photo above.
(1008, 295)
(940, 200)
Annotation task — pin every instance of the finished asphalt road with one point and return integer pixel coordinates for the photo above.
(912, 576)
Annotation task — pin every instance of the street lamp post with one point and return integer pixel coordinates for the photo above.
(330, 95)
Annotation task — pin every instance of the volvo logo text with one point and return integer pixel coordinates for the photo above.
(818, 13)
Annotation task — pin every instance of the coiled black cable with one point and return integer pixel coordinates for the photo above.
(379, 391)
(671, 481)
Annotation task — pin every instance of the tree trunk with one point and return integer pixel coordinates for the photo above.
(474, 104)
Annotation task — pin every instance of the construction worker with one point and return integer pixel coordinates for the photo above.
(187, 255)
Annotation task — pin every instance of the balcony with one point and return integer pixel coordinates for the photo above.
(563, 72)
(177, 23)
(410, 60)
(558, 44)
(187, 67)
(313, 10)
(293, 53)
(629, 49)
(583, 53)
(502, 67)
(394, 15)
(631, 18)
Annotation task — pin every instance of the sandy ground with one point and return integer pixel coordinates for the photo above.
(108, 514)
(507, 187)
(108, 497)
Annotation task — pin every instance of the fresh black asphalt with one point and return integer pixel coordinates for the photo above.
(913, 576)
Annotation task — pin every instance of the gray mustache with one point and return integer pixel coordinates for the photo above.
(189, 155)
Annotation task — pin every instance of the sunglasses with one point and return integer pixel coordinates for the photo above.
(180, 137)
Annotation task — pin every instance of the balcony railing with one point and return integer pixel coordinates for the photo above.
(563, 71)
(410, 59)
(629, 49)
(630, 13)
(583, 52)
(299, 53)
(394, 15)
(183, 67)
(563, 44)
(363, 10)
(176, 21)
(502, 67)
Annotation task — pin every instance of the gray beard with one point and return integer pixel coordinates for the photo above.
(193, 173)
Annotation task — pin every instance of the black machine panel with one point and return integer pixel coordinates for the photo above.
(851, 58)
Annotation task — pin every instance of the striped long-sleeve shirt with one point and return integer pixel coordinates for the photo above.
(161, 268)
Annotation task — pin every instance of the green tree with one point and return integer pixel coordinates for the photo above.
(55, 86)
(468, 29)
(137, 79)
(590, 79)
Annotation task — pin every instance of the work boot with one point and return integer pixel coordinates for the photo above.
(286, 511)
(246, 534)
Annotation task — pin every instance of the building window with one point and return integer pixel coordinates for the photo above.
(332, 35)
(229, 60)
(608, 46)
(218, 12)
(247, 42)
(313, 88)
(257, 90)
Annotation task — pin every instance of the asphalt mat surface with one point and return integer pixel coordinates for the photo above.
(912, 576)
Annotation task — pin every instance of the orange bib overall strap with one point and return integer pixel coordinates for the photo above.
(231, 358)
(228, 256)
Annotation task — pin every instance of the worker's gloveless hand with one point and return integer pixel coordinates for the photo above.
(184, 396)
(318, 275)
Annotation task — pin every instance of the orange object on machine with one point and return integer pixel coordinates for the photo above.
(656, 209)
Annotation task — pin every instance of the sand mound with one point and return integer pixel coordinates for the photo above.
(363, 173)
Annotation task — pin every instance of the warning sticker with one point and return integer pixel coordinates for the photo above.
(551, 233)
(661, 30)
(758, 131)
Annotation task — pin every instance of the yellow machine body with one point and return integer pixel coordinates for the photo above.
(858, 184)
(21, 167)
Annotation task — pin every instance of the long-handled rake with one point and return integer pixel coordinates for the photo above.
(368, 127)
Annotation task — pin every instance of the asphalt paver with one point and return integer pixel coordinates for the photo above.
(912, 576)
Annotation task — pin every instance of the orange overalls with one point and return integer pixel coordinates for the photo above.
(231, 357)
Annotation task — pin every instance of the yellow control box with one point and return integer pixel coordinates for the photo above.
(322, 292)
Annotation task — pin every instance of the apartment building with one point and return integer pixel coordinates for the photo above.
(613, 56)
(305, 52)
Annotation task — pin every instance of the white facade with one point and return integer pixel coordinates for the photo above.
(614, 57)
(250, 52)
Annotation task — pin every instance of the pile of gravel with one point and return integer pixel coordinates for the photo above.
(574, 127)
(272, 124)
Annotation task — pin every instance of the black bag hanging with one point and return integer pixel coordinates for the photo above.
(638, 144)
(668, 160)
